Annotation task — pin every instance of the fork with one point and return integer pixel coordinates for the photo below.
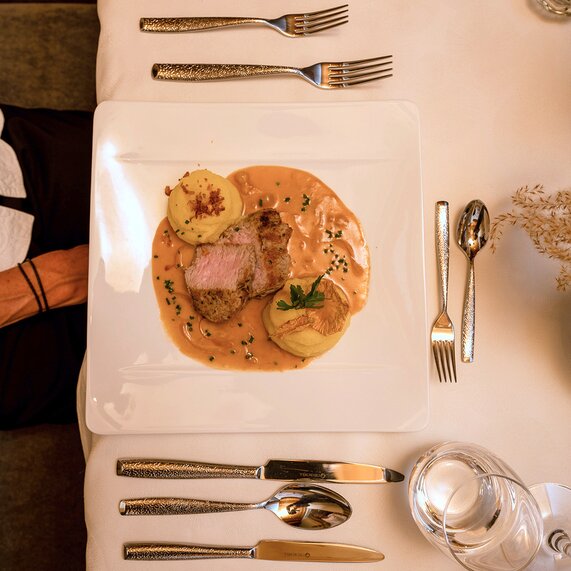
(290, 25)
(442, 336)
(325, 75)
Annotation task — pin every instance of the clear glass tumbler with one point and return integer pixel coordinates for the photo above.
(438, 473)
(493, 523)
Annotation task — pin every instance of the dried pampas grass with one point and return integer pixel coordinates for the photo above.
(547, 220)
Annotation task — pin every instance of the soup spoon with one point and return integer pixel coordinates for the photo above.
(472, 235)
(300, 505)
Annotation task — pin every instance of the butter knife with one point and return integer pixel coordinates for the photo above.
(294, 470)
(269, 550)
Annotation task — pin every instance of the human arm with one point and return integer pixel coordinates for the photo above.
(63, 274)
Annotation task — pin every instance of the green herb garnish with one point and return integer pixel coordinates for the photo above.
(299, 299)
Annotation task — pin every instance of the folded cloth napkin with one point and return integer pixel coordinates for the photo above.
(15, 235)
(11, 179)
(15, 226)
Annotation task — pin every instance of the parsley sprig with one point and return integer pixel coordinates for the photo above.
(299, 299)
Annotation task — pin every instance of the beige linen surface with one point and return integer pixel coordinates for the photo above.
(492, 82)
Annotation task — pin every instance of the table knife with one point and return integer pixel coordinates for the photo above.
(269, 550)
(294, 470)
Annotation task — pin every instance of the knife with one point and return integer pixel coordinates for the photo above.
(269, 550)
(296, 470)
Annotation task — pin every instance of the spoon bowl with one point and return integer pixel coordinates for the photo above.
(473, 228)
(472, 235)
(309, 506)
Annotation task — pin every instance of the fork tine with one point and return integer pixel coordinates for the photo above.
(314, 30)
(437, 359)
(308, 25)
(348, 82)
(351, 75)
(447, 358)
(353, 63)
(337, 70)
(320, 12)
(452, 359)
(305, 19)
(361, 64)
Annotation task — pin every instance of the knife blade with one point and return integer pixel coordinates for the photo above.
(291, 470)
(266, 549)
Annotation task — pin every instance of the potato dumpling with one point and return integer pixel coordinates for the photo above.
(309, 331)
(202, 205)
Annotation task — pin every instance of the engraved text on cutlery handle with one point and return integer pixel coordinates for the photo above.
(174, 469)
(190, 24)
(469, 317)
(442, 248)
(165, 552)
(213, 72)
(178, 506)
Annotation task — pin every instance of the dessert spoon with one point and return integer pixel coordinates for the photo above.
(472, 235)
(300, 505)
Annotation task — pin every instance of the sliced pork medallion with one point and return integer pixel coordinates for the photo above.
(265, 231)
(219, 279)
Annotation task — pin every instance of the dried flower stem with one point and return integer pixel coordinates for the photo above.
(547, 220)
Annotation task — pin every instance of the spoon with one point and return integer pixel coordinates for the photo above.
(300, 505)
(472, 235)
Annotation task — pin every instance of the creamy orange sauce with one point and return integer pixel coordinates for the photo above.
(326, 238)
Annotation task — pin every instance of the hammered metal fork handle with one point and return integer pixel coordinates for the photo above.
(192, 24)
(179, 506)
(213, 72)
(169, 552)
(180, 469)
(442, 248)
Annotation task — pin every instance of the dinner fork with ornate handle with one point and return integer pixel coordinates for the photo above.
(290, 25)
(325, 75)
(442, 336)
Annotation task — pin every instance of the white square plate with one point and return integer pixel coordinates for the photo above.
(375, 379)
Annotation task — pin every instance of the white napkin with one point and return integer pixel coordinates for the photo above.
(15, 235)
(11, 180)
(15, 226)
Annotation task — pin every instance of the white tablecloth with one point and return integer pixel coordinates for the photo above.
(492, 80)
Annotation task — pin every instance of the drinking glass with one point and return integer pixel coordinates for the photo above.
(474, 508)
(437, 474)
(492, 522)
(557, 7)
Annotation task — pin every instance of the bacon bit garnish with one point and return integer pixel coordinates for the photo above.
(166, 238)
(326, 320)
(211, 204)
(168, 190)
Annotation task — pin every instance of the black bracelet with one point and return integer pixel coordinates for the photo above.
(46, 306)
(31, 287)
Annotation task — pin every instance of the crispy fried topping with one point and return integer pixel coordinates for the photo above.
(209, 203)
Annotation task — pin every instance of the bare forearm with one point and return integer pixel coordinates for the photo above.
(63, 274)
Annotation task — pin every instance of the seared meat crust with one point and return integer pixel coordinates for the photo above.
(266, 232)
(219, 279)
(250, 259)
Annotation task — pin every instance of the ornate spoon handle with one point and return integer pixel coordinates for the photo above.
(191, 24)
(469, 316)
(179, 506)
(213, 72)
(165, 552)
(174, 469)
